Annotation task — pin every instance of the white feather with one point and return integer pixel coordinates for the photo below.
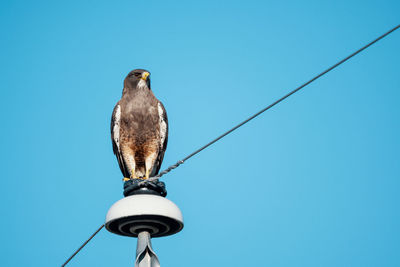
(163, 124)
(142, 84)
(117, 125)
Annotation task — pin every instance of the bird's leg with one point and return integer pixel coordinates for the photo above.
(147, 174)
(129, 158)
(149, 164)
(133, 176)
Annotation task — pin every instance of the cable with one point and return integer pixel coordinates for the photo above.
(81, 247)
(170, 168)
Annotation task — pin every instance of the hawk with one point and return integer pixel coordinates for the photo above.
(139, 128)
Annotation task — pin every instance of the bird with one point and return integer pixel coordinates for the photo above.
(139, 128)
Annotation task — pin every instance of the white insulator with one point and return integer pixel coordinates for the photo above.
(151, 213)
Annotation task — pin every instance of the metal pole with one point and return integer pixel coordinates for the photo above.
(145, 255)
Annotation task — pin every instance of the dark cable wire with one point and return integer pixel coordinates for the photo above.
(170, 168)
(84, 244)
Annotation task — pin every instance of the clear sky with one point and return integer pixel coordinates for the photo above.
(312, 182)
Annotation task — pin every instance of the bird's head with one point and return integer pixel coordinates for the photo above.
(137, 77)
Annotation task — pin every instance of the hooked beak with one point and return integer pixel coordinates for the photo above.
(145, 75)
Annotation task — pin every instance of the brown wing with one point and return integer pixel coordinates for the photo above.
(115, 134)
(163, 123)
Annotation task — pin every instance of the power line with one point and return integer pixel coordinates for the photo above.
(170, 168)
(81, 247)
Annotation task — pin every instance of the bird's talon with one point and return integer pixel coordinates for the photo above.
(126, 179)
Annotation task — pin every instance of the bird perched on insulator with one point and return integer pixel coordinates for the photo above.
(139, 128)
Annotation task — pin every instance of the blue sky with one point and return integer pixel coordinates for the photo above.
(312, 182)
